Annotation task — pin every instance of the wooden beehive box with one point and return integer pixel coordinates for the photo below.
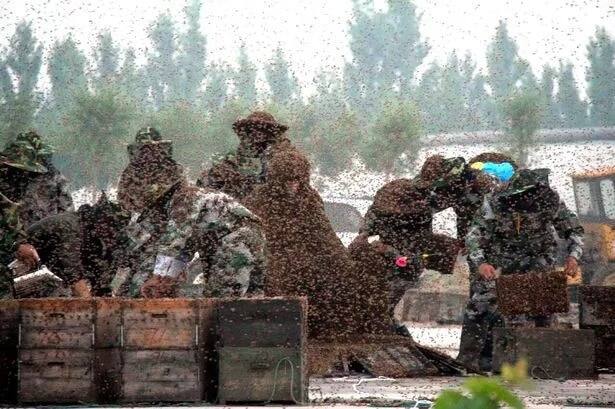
(56, 351)
(532, 293)
(262, 350)
(165, 350)
(551, 353)
(597, 312)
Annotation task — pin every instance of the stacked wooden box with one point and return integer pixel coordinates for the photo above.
(56, 351)
(553, 353)
(262, 351)
(162, 350)
(597, 313)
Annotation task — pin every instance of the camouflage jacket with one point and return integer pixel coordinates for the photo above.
(521, 241)
(226, 236)
(11, 232)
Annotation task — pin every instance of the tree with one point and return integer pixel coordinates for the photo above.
(216, 92)
(328, 125)
(523, 113)
(282, 82)
(386, 50)
(245, 78)
(601, 79)
(98, 120)
(393, 142)
(547, 83)
(106, 58)
(19, 71)
(503, 64)
(66, 69)
(132, 79)
(572, 111)
(191, 59)
(162, 69)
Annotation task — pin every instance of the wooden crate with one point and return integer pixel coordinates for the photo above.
(9, 339)
(56, 352)
(532, 293)
(56, 376)
(163, 349)
(596, 305)
(273, 322)
(161, 376)
(551, 353)
(262, 350)
(160, 324)
(253, 374)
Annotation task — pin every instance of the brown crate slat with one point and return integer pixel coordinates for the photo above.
(108, 322)
(532, 293)
(551, 353)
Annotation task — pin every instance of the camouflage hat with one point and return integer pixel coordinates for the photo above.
(526, 179)
(149, 135)
(27, 152)
(259, 120)
(438, 172)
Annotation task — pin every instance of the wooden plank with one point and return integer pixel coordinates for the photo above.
(551, 353)
(207, 348)
(161, 392)
(532, 293)
(160, 324)
(261, 374)
(596, 305)
(273, 322)
(108, 323)
(605, 346)
(40, 390)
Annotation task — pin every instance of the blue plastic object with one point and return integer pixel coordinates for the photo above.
(502, 171)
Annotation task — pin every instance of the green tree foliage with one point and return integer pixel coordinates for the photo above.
(572, 111)
(98, 125)
(601, 78)
(19, 70)
(479, 393)
(330, 131)
(217, 89)
(106, 59)
(191, 58)
(547, 84)
(162, 69)
(393, 141)
(503, 63)
(245, 78)
(523, 114)
(132, 79)
(386, 50)
(282, 82)
(66, 70)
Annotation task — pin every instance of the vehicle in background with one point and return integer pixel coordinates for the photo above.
(594, 193)
(346, 216)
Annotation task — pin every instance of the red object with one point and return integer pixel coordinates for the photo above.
(401, 261)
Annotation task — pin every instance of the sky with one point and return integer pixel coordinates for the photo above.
(313, 33)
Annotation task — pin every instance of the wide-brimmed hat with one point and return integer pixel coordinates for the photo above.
(27, 152)
(259, 120)
(526, 179)
(149, 136)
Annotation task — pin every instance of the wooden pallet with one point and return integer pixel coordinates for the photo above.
(597, 312)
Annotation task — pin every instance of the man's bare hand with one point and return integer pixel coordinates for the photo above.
(82, 289)
(571, 266)
(27, 254)
(486, 271)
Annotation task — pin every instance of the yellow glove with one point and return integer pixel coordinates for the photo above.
(477, 165)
